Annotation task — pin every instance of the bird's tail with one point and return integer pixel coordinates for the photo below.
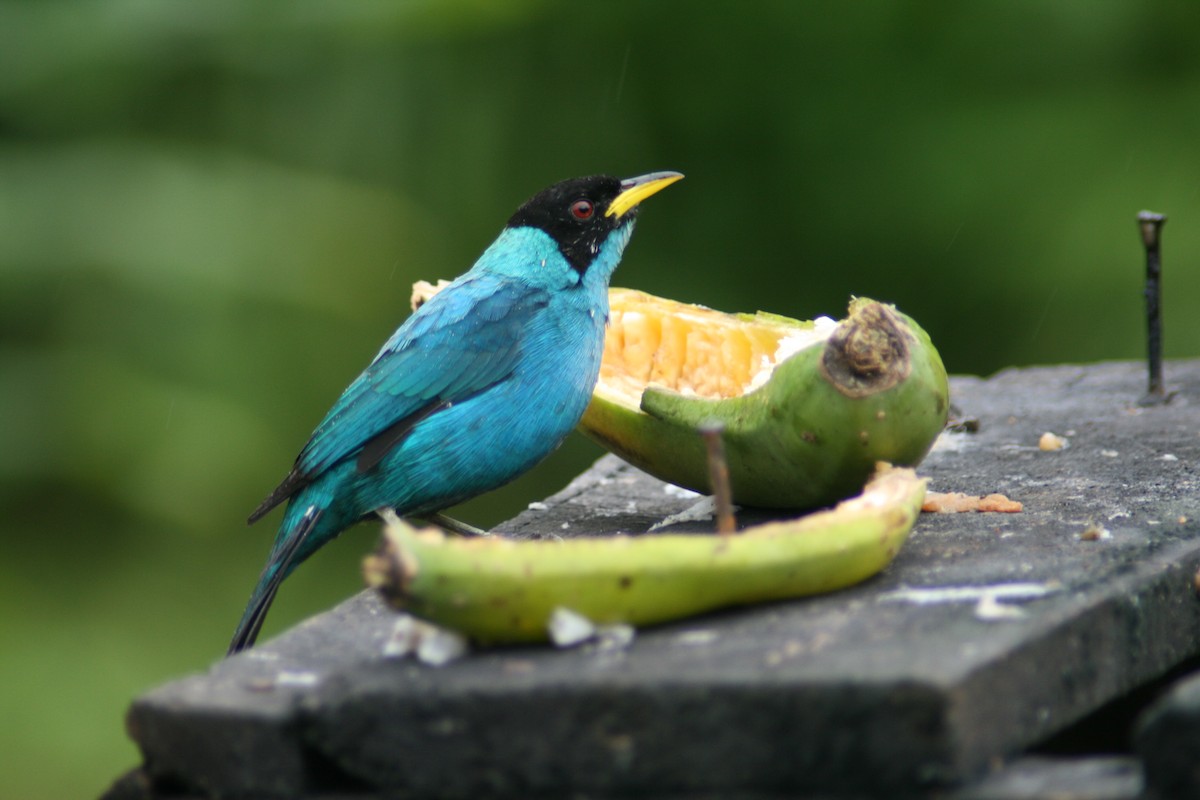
(283, 559)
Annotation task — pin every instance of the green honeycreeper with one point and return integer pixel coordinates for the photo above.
(476, 387)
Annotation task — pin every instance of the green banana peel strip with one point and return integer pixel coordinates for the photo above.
(499, 590)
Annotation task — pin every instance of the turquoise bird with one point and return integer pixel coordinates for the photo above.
(477, 386)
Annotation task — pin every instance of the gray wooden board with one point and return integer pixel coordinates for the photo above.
(864, 691)
(1027, 778)
(1168, 740)
(1040, 778)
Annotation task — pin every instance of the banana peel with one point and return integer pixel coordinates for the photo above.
(498, 590)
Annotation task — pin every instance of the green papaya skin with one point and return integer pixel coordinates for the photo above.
(876, 390)
(497, 590)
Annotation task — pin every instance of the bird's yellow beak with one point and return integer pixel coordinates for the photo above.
(635, 190)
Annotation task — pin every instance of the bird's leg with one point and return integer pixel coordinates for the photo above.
(448, 524)
(454, 526)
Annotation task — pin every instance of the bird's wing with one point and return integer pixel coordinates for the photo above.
(464, 340)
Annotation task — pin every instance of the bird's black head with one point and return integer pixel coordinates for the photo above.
(573, 213)
(580, 213)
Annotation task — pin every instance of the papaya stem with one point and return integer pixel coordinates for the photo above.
(718, 476)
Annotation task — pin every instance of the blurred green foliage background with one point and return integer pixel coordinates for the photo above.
(211, 214)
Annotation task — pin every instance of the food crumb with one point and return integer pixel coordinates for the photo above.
(568, 628)
(990, 609)
(424, 290)
(696, 637)
(1051, 442)
(1094, 533)
(999, 503)
(956, 502)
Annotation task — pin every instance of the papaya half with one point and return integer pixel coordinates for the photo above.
(807, 408)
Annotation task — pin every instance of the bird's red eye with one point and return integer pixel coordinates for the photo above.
(582, 209)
